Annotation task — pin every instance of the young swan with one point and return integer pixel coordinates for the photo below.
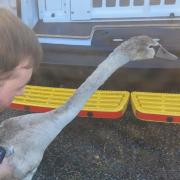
(25, 138)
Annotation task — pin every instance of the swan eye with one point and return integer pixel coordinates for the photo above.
(156, 48)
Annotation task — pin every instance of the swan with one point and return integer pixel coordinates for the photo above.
(24, 139)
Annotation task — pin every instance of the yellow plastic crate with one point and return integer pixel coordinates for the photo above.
(160, 107)
(41, 99)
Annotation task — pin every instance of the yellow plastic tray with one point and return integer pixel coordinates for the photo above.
(162, 107)
(47, 97)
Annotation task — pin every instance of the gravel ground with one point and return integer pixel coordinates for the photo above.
(99, 149)
(104, 149)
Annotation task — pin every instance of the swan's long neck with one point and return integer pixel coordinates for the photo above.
(73, 106)
(51, 123)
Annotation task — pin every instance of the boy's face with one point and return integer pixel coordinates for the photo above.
(14, 86)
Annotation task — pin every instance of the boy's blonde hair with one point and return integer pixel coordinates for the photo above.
(17, 43)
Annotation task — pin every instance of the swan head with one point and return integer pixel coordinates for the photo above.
(144, 47)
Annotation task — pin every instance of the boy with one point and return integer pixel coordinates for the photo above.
(20, 55)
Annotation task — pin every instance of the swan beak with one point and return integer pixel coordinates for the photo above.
(164, 54)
